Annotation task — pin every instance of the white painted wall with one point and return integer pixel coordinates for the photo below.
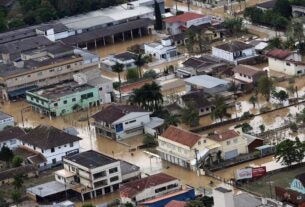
(222, 54)
(223, 199)
(6, 122)
(242, 77)
(286, 67)
(12, 143)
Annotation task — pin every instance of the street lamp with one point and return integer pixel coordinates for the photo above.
(21, 111)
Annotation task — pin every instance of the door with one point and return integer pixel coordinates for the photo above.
(230, 154)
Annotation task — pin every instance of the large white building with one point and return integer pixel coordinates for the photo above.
(234, 51)
(285, 61)
(163, 50)
(50, 145)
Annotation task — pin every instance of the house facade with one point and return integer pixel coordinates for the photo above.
(199, 100)
(127, 59)
(9, 137)
(248, 74)
(52, 143)
(161, 51)
(234, 51)
(286, 62)
(61, 99)
(6, 120)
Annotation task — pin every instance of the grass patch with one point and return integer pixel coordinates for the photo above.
(280, 178)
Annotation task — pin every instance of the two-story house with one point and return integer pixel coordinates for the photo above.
(52, 143)
(90, 173)
(120, 121)
(232, 143)
(184, 148)
(149, 187)
(9, 137)
(285, 61)
(201, 101)
(234, 51)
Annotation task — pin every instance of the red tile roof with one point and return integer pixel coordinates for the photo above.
(174, 203)
(181, 136)
(278, 54)
(128, 88)
(224, 135)
(132, 188)
(185, 17)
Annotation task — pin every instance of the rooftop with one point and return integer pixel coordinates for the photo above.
(267, 4)
(132, 188)
(206, 81)
(11, 133)
(47, 189)
(181, 136)
(279, 54)
(4, 115)
(125, 56)
(53, 92)
(224, 135)
(113, 112)
(128, 88)
(185, 17)
(198, 97)
(247, 70)
(47, 137)
(10, 173)
(234, 46)
(91, 159)
(127, 167)
(175, 203)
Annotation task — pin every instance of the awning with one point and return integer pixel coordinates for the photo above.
(20, 91)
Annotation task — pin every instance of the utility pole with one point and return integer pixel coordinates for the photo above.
(197, 167)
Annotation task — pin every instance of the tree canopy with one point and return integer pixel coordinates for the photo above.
(190, 115)
(265, 86)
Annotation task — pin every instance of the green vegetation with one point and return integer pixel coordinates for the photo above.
(158, 22)
(6, 155)
(118, 68)
(190, 115)
(171, 119)
(150, 141)
(150, 74)
(17, 161)
(220, 108)
(132, 75)
(234, 25)
(265, 86)
(281, 95)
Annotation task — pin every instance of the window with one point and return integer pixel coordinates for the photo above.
(71, 144)
(100, 183)
(13, 141)
(32, 98)
(39, 74)
(158, 190)
(228, 142)
(288, 64)
(55, 104)
(202, 110)
(172, 186)
(204, 141)
(99, 175)
(29, 75)
(51, 70)
(235, 140)
(68, 66)
(65, 102)
(115, 178)
(52, 150)
(54, 161)
(199, 143)
(113, 170)
(73, 99)
(129, 122)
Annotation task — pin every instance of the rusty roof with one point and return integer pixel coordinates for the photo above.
(181, 136)
(185, 17)
(128, 88)
(175, 203)
(278, 54)
(247, 70)
(224, 135)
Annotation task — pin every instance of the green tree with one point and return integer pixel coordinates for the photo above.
(194, 203)
(18, 181)
(128, 205)
(132, 75)
(16, 196)
(265, 86)
(118, 68)
(6, 155)
(15, 23)
(208, 201)
(262, 128)
(218, 155)
(3, 202)
(158, 16)
(150, 74)
(283, 8)
(219, 110)
(300, 150)
(253, 100)
(191, 38)
(150, 141)
(140, 62)
(234, 25)
(88, 205)
(281, 95)
(275, 42)
(190, 115)
(171, 119)
(295, 31)
(17, 161)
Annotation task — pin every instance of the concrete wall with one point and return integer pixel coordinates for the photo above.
(286, 67)
(12, 143)
(239, 143)
(6, 122)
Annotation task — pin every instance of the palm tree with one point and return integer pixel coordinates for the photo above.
(118, 68)
(220, 108)
(18, 181)
(253, 100)
(171, 119)
(140, 62)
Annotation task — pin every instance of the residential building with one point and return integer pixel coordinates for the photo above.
(63, 98)
(287, 62)
(163, 50)
(39, 62)
(123, 121)
(52, 143)
(127, 59)
(234, 51)
(129, 171)
(248, 76)
(6, 120)
(8, 176)
(127, 89)
(298, 11)
(184, 148)
(96, 173)
(153, 186)
(232, 143)
(208, 84)
(200, 101)
(265, 6)
(175, 203)
(177, 24)
(9, 137)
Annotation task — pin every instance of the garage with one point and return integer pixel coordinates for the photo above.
(230, 154)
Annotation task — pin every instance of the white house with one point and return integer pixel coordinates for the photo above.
(52, 143)
(149, 187)
(122, 121)
(285, 61)
(127, 59)
(161, 51)
(9, 137)
(234, 51)
(177, 24)
(6, 120)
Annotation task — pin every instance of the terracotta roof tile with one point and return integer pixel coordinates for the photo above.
(181, 136)
(185, 17)
(132, 188)
(175, 203)
(128, 88)
(278, 54)
(234, 46)
(224, 135)
(247, 70)
(11, 133)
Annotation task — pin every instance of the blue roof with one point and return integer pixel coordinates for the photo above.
(206, 81)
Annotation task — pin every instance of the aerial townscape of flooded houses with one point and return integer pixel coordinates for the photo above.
(152, 103)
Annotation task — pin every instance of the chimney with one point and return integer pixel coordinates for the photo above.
(223, 197)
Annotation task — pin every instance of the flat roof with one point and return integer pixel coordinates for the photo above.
(127, 167)
(91, 159)
(105, 16)
(47, 189)
(60, 90)
(206, 81)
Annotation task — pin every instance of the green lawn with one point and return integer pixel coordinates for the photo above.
(281, 178)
